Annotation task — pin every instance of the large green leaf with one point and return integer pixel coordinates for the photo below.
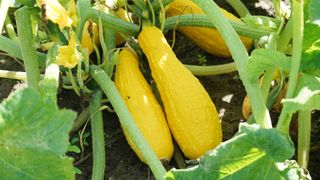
(254, 153)
(264, 59)
(313, 11)
(307, 96)
(34, 138)
(310, 61)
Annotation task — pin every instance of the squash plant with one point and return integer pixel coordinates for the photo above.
(287, 43)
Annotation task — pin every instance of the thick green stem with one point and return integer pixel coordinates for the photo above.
(297, 40)
(114, 23)
(13, 49)
(285, 36)
(239, 7)
(127, 121)
(276, 6)
(240, 56)
(157, 6)
(98, 146)
(202, 21)
(81, 120)
(28, 51)
(212, 70)
(304, 130)
(10, 30)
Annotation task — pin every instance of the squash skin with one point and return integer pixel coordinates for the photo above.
(207, 39)
(191, 115)
(143, 106)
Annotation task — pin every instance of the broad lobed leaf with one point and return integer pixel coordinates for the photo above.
(264, 59)
(254, 153)
(34, 137)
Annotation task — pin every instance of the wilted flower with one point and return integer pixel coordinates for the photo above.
(88, 32)
(68, 55)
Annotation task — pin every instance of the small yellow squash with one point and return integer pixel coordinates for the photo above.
(143, 106)
(206, 38)
(191, 115)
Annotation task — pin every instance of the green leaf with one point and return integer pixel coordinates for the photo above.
(254, 153)
(264, 59)
(313, 11)
(310, 60)
(34, 138)
(261, 22)
(307, 96)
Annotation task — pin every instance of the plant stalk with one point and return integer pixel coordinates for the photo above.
(114, 23)
(304, 129)
(98, 145)
(157, 6)
(81, 120)
(239, 7)
(297, 40)
(202, 20)
(13, 49)
(28, 51)
(127, 121)
(285, 36)
(240, 56)
(211, 70)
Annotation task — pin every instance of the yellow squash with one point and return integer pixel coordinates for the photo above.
(191, 115)
(143, 106)
(206, 38)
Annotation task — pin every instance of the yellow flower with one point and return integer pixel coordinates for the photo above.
(57, 13)
(86, 41)
(68, 55)
(72, 12)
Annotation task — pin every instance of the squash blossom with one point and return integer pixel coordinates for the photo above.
(72, 12)
(68, 55)
(56, 13)
(87, 33)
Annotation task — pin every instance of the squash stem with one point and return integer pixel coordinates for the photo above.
(297, 40)
(98, 145)
(240, 56)
(10, 30)
(13, 49)
(285, 36)
(239, 7)
(157, 4)
(201, 20)
(114, 23)
(304, 129)
(81, 120)
(127, 121)
(26, 41)
(212, 70)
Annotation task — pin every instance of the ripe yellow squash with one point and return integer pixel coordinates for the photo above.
(143, 106)
(191, 115)
(207, 39)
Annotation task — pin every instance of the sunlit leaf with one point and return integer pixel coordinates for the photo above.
(310, 62)
(34, 138)
(264, 59)
(307, 96)
(254, 153)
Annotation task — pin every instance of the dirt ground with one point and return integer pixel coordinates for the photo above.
(226, 91)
